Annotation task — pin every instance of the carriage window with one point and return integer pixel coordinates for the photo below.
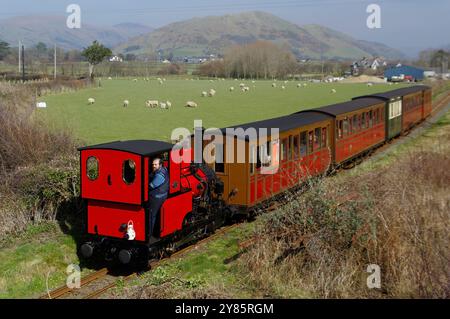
(92, 168)
(363, 121)
(263, 155)
(291, 145)
(370, 119)
(355, 123)
(296, 146)
(324, 137)
(219, 162)
(284, 149)
(317, 138)
(303, 144)
(339, 129)
(310, 141)
(128, 171)
(345, 127)
(252, 159)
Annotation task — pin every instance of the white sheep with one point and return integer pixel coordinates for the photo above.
(126, 103)
(212, 92)
(152, 103)
(283, 87)
(168, 104)
(333, 91)
(245, 89)
(369, 84)
(204, 94)
(109, 78)
(191, 104)
(163, 105)
(241, 85)
(91, 100)
(231, 88)
(305, 85)
(299, 85)
(274, 85)
(135, 80)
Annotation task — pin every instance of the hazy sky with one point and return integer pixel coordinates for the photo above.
(409, 25)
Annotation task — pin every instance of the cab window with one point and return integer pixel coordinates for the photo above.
(128, 171)
(92, 168)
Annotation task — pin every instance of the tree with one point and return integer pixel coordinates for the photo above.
(95, 54)
(440, 58)
(4, 49)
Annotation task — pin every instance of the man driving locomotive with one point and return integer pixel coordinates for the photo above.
(158, 191)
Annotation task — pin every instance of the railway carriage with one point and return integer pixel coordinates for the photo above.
(405, 108)
(358, 126)
(302, 149)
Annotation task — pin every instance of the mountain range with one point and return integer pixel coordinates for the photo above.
(53, 30)
(196, 37)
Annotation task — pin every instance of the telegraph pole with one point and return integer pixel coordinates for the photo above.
(23, 63)
(20, 57)
(54, 76)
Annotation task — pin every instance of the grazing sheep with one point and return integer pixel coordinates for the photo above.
(212, 92)
(245, 89)
(109, 78)
(274, 85)
(231, 88)
(204, 94)
(168, 104)
(333, 91)
(91, 100)
(304, 84)
(299, 85)
(241, 85)
(152, 103)
(135, 80)
(191, 104)
(163, 105)
(369, 84)
(159, 79)
(283, 87)
(126, 103)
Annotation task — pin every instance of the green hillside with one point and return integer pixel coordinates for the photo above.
(213, 34)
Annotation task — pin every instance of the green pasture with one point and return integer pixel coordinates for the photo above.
(108, 120)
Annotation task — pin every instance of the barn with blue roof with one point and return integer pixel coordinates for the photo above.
(406, 70)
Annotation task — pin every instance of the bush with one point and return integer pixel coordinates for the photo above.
(321, 244)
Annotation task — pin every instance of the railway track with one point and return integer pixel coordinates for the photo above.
(97, 283)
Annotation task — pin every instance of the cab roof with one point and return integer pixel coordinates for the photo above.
(139, 147)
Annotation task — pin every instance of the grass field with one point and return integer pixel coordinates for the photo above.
(108, 120)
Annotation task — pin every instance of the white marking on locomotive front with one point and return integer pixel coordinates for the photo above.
(130, 231)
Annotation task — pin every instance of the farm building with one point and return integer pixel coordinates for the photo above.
(404, 71)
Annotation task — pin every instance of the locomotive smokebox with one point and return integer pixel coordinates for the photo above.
(87, 250)
(125, 256)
